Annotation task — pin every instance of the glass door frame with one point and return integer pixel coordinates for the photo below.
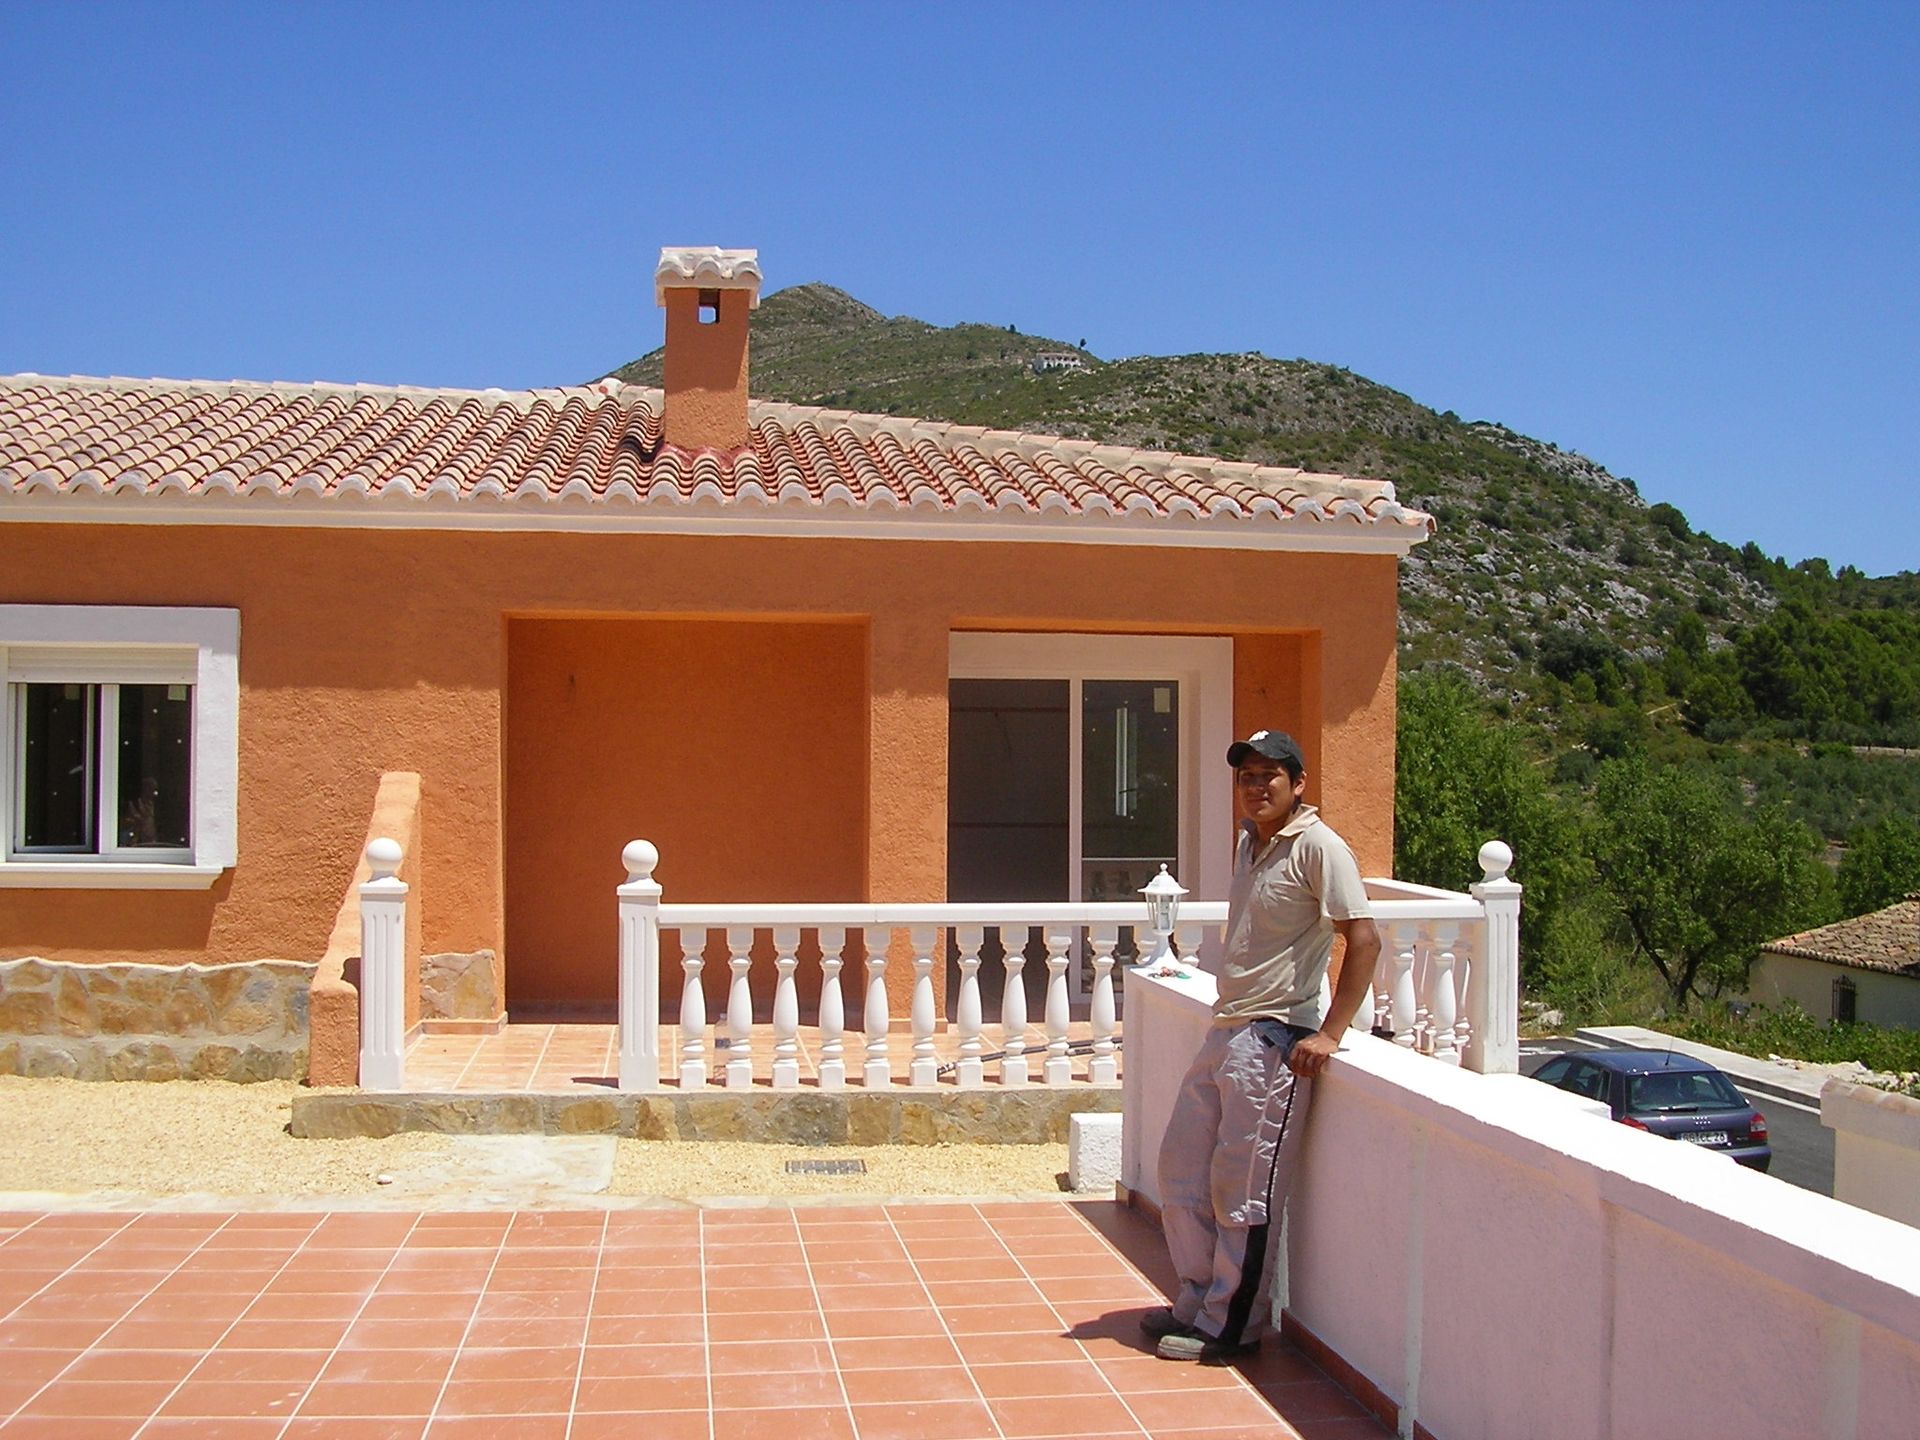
(1203, 666)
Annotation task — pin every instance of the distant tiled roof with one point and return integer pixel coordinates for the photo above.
(599, 449)
(1887, 939)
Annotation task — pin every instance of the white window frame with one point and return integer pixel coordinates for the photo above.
(111, 645)
(1204, 667)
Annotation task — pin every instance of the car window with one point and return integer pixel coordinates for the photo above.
(1554, 1071)
(1587, 1080)
(1685, 1090)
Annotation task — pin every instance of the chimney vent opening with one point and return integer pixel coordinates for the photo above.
(709, 307)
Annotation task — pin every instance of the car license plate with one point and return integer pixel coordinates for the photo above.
(1706, 1137)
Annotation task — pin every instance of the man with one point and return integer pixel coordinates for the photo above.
(1233, 1137)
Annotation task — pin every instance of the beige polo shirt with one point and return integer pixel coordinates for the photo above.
(1281, 909)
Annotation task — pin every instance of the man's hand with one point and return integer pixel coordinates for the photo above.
(1310, 1055)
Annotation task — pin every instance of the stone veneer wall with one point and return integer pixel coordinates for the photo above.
(154, 1022)
(460, 987)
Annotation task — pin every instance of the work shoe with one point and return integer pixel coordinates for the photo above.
(1193, 1345)
(1163, 1322)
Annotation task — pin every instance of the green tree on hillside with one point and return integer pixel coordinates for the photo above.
(1882, 864)
(1698, 882)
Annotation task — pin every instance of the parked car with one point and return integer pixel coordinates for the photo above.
(1674, 1096)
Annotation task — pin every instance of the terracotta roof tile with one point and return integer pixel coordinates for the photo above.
(1887, 939)
(601, 445)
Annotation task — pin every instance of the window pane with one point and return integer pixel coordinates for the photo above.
(56, 772)
(1130, 774)
(156, 772)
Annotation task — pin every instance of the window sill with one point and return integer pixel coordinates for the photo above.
(108, 875)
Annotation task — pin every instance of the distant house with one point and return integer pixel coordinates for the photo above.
(813, 655)
(1058, 360)
(1865, 969)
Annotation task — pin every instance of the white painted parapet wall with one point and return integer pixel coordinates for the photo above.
(1876, 1148)
(1499, 1264)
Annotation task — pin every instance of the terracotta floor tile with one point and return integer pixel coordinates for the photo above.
(766, 1356)
(51, 1334)
(534, 1305)
(1072, 1377)
(688, 1302)
(365, 1367)
(1002, 1319)
(171, 1365)
(102, 1398)
(953, 1293)
(404, 1335)
(1166, 1409)
(609, 1361)
(910, 1385)
(798, 1325)
(776, 1389)
(760, 1300)
(427, 1306)
(541, 1333)
(873, 1297)
(508, 1397)
(656, 1425)
(61, 1427)
(560, 1363)
(864, 1272)
(1313, 1400)
(235, 1397)
(855, 1324)
(202, 1427)
(1146, 1374)
(498, 1427)
(818, 1422)
(978, 1268)
(926, 1420)
(646, 1330)
(284, 1365)
(1069, 1416)
(1019, 1347)
(642, 1393)
(888, 1352)
(284, 1335)
(377, 1398)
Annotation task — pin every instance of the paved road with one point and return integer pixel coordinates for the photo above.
(1802, 1146)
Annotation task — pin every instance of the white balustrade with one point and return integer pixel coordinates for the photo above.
(1104, 1066)
(1058, 1069)
(1013, 1008)
(639, 901)
(833, 1009)
(1446, 982)
(786, 1009)
(878, 1069)
(693, 1007)
(383, 969)
(970, 1072)
(925, 1066)
(739, 1008)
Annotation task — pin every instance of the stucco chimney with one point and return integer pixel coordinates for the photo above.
(707, 293)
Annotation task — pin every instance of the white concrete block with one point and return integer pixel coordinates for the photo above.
(1093, 1153)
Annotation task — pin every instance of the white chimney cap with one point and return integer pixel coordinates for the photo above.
(707, 267)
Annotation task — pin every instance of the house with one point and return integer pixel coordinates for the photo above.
(1866, 969)
(812, 655)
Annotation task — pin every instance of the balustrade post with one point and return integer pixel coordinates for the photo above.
(693, 1009)
(739, 1008)
(383, 969)
(1013, 1009)
(1058, 1069)
(878, 1069)
(1104, 1068)
(1493, 1002)
(1463, 976)
(639, 901)
(1401, 1011)
(970, 1073)
(925, 1066)
(786, 1009)
(833, 1011)
(1441, 1000)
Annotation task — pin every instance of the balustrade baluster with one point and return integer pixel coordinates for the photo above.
(739, 1008)
(1186, 943)
(1462, 981)
(1058, 1069)
(786, 1009)
(879, 1069)
(1103, 1068)
(1423, 989)
(833, 1010)
(1401, 1009)
(924, 1068)
(970, 1073)
(1442, 998)
(1013, 1006)
(693, 1009)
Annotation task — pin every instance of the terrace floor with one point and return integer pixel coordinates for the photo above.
(904, 1322)
(559, 1057)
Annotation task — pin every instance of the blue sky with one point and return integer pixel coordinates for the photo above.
(1684, 240)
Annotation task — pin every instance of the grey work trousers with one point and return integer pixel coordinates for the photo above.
(1230, 1147)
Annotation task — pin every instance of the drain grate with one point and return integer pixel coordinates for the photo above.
(826, 1167)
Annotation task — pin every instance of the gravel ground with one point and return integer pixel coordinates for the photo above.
(207, 1137)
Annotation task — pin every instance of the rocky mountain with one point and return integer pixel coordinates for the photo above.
(1534, 543)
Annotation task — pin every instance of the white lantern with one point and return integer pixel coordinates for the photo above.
(1163, 894)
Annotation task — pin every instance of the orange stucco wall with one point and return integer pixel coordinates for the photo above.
(705, 374)
(739, 749)
(368, 651)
